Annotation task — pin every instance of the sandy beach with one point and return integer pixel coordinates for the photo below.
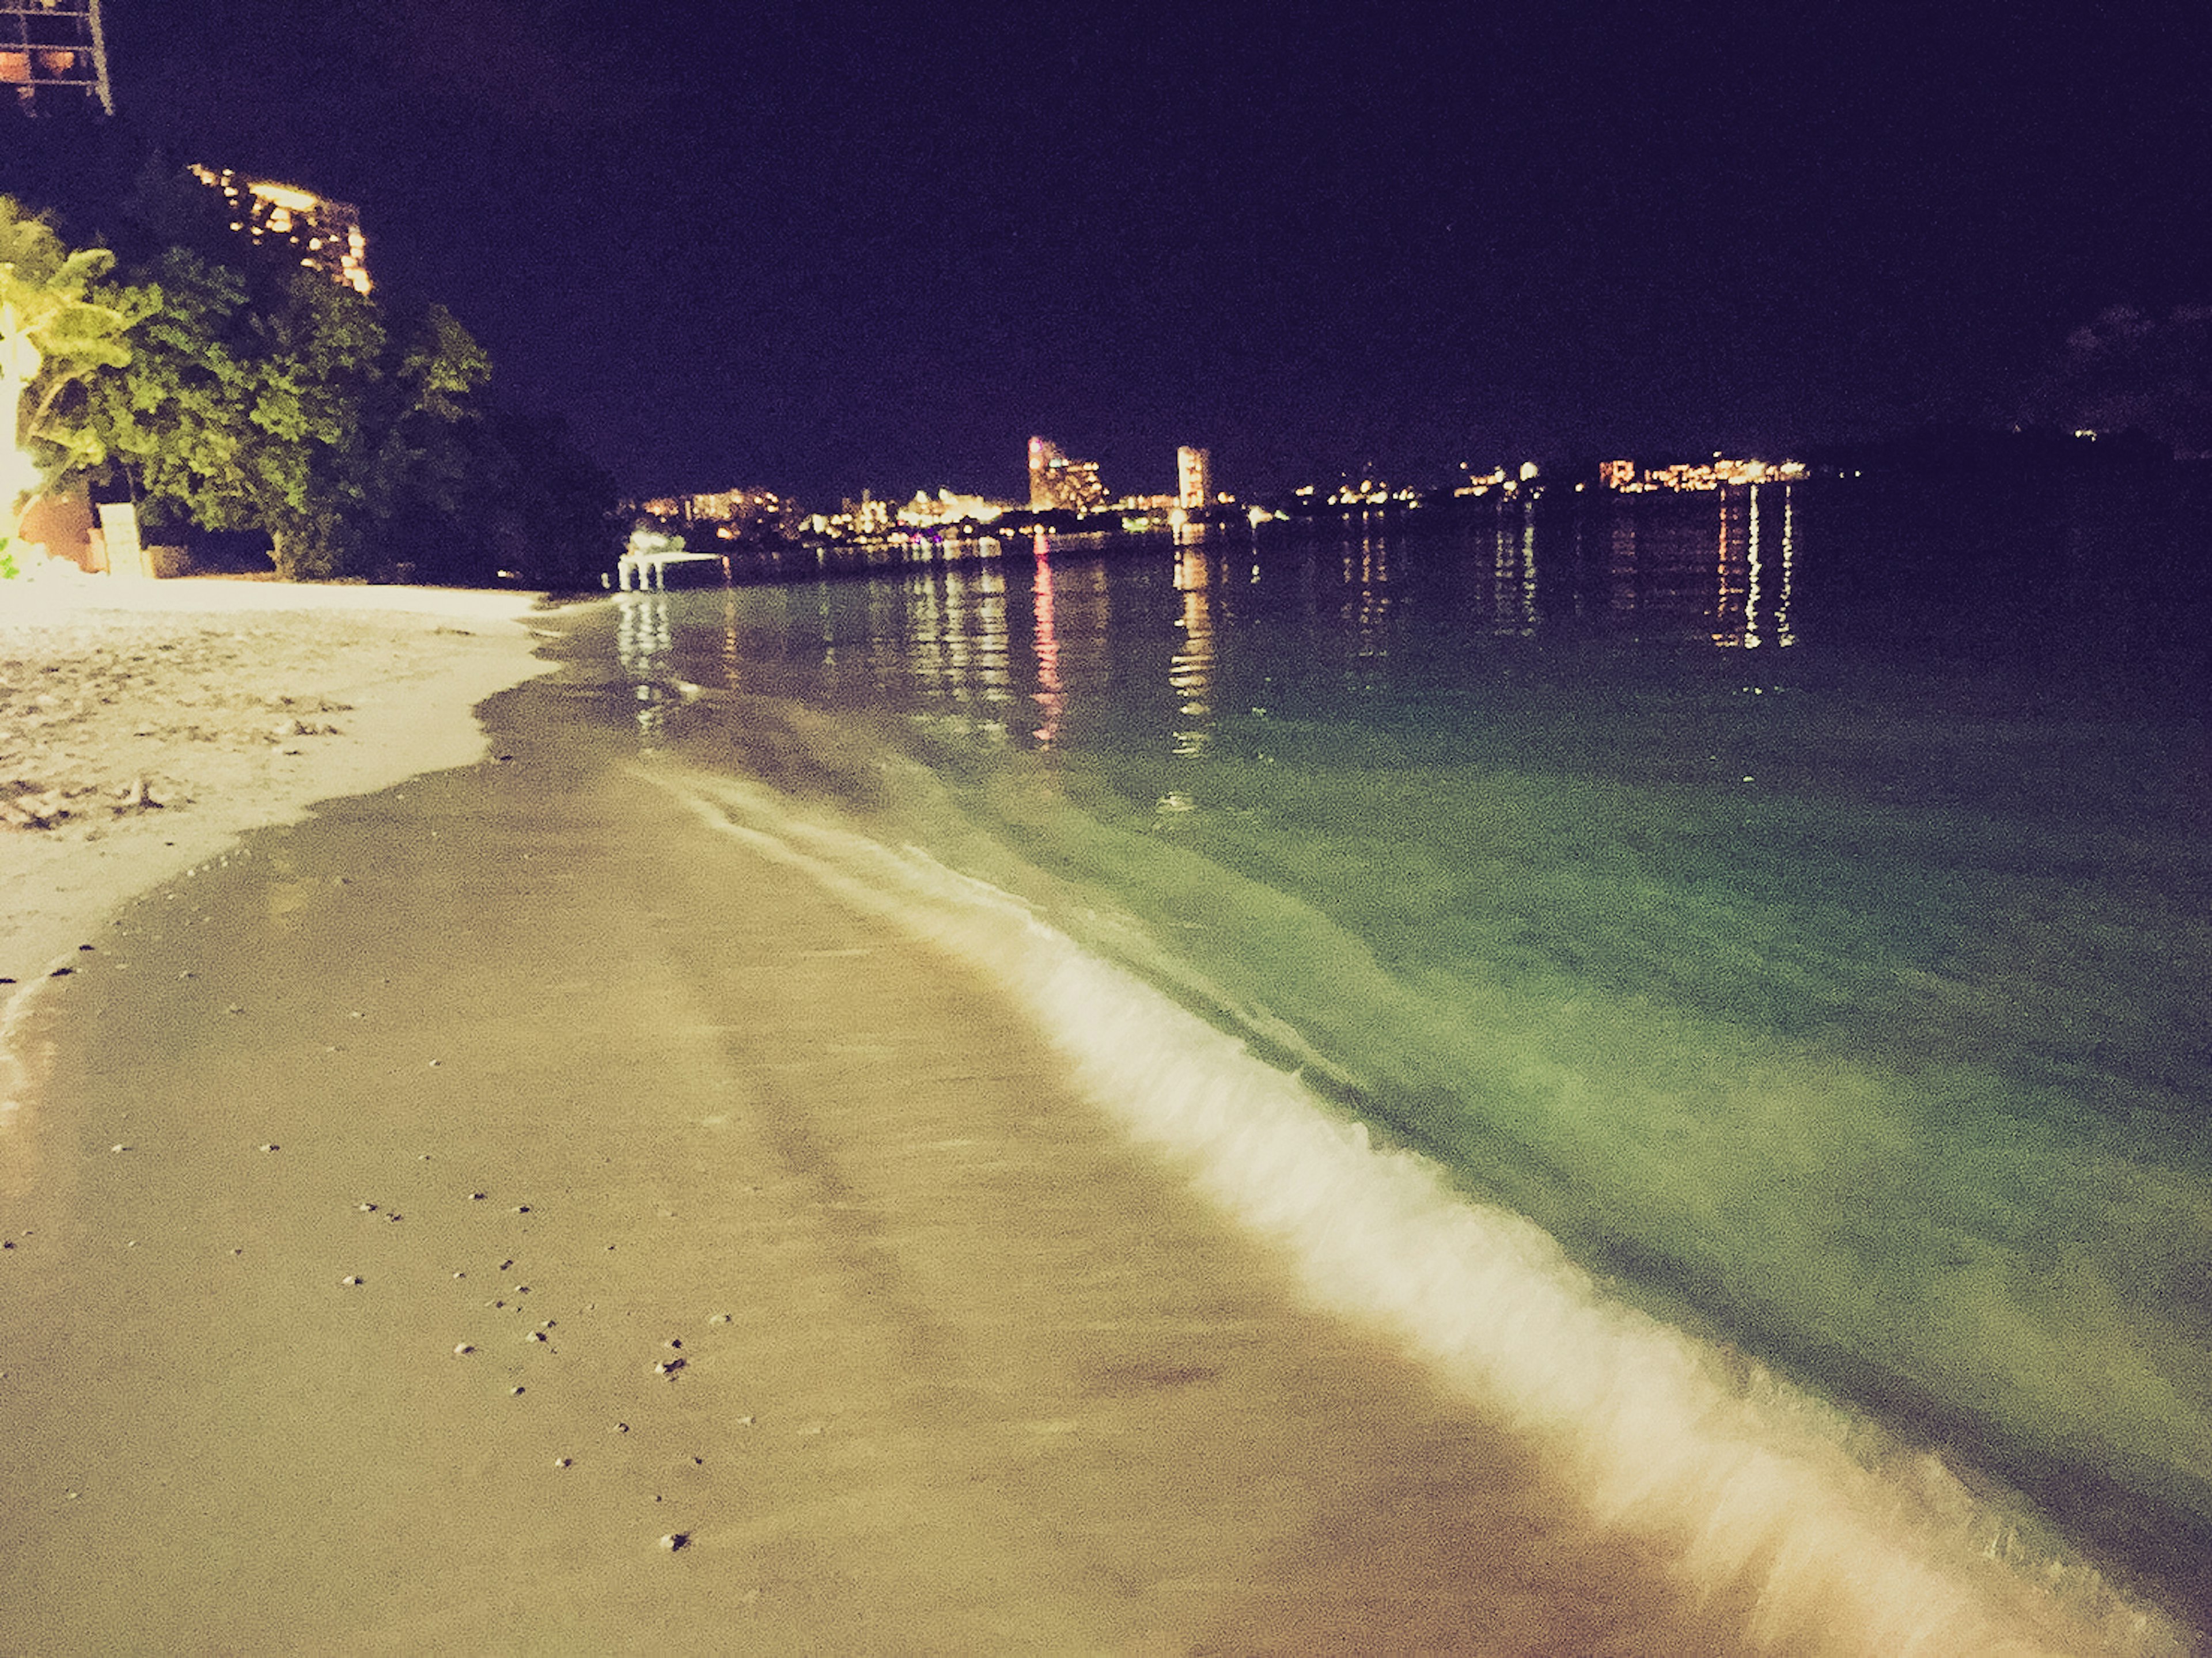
(496, 1213)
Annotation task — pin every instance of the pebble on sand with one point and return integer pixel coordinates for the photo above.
(350, 1279)
(463, 1347)
(563, 1462)
(676, 1540)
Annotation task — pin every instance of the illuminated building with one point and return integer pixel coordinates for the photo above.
(1194, 478)
(53, 53)
(1058, 484)
(326, 234)
(868, 516)
(946, 508)
(1718, 474)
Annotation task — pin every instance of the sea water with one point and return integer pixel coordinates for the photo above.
(1721, 978)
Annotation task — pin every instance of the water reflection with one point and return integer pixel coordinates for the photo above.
(1051, 694)
(1620, 562)
(1748, 590)
(1512, 559)
(1170, 648)
(643, 642)
(1372, 571)
(1190, 674)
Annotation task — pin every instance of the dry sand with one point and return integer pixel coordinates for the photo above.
(422, 1216)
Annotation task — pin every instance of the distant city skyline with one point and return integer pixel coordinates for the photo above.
(741, 512)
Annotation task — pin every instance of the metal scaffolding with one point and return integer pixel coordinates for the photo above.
(52, 54)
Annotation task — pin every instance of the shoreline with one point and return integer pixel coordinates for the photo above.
(807, 1304)
(145, 726)
(849, 1283)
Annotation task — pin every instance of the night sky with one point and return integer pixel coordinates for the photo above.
(821, 247)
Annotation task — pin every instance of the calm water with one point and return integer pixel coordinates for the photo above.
(1794, 904)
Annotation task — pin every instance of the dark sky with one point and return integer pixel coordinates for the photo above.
(823, 246)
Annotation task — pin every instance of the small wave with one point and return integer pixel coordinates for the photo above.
(1849, 1543)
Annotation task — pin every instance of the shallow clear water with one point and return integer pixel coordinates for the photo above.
(1795, 903)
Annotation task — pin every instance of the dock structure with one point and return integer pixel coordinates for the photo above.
(646, 571)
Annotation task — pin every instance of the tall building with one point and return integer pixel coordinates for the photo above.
(51, 52)
(1057, 483)
(325, 233)
(1194, 478)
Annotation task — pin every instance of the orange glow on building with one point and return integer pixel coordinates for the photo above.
(1059, 484)
(326, 234)
(52, 53)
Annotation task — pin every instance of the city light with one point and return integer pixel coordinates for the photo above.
(326, 234)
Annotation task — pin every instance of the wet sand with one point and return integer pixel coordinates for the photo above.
(837, 1284)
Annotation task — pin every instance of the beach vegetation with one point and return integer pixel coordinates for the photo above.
(61, 323)
(301, 411)
(224, 389)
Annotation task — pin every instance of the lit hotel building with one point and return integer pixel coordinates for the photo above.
(1194, 478)
(53, 53)
(326, 234)
(1057, 483)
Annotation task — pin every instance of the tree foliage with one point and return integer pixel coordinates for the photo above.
(305, 413)
(238, 391)
(58, 310)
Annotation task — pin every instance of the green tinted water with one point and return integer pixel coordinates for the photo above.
(1829, 979)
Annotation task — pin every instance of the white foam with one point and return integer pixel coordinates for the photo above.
(1747, 1482)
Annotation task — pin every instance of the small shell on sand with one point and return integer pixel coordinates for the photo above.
(366, 1208)
(350, 1279)
(676, 1540)
(563, 1462)
(535, 1335)
(118, 1148)
(719, 1318)
(514, 1389)
(272, 1148)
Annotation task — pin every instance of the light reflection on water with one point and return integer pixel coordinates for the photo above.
(643, 639)
(1190, 672)
(1803, 924)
